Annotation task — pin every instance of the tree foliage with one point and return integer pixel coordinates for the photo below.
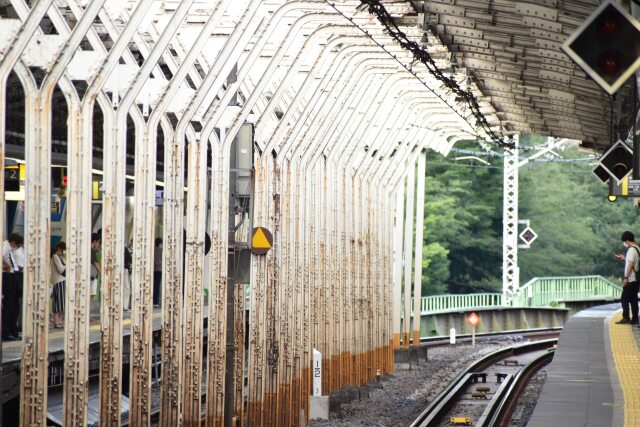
(462, 226)
(579, 229)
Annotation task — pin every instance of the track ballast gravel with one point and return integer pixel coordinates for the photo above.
(404, 394)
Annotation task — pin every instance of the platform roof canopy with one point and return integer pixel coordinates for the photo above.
(506, 52)
(513, 51)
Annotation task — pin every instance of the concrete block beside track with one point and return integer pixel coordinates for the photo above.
(319, 408)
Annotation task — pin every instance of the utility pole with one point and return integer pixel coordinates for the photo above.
(510, 269)
(512, 164)
(635, 11)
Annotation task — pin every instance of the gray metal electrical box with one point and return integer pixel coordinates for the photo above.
(243, 160)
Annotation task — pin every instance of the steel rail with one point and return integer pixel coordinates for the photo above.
(447, 396)
(528, 333)
(501, 410)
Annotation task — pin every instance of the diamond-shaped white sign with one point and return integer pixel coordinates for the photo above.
(528, 236)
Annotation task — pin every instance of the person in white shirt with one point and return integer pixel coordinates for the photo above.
(11, 287)
(629, 297)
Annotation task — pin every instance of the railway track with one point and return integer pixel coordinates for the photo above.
(533, 334)
(486, 393)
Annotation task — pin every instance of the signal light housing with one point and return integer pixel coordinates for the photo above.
(617, 161)
(607, 46)
(601, 173)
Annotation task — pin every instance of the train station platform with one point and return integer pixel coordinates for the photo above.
(593, 378)
(12, 354)
(12, 351)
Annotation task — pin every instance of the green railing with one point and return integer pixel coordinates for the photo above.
(538, 292)
(451, 302)
(545, 291)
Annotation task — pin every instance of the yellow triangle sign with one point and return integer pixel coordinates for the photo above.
(259, 240)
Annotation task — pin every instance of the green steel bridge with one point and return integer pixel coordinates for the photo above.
(541, 302)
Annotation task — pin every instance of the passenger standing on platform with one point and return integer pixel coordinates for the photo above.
(128, 265)
(157, 272)
(630, 282)
(21, 260)
(58, 282)
(95, 263)
(11, 288)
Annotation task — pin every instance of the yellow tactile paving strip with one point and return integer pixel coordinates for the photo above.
(627, 360)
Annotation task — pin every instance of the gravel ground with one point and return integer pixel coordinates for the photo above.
(527, 403)
(404, 394)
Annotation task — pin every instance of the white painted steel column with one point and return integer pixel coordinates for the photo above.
(34, 367)
(408, 252)
(417, 281)
(113, 220)
(7, 62)
(144, 217)
(510, 270)
(397, 266)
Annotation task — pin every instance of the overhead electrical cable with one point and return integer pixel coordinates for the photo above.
(423, 56)
(384, 17)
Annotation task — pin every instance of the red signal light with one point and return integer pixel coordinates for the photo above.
(609, 62)
(609, 26)
(607, 45)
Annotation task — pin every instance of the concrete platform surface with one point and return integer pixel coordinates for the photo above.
(582, 387)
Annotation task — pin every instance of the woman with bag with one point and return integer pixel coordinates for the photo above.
(58, 269)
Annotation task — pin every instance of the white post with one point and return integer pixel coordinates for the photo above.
(452, 336)
(510, 273)
(473, 336)
(417, 278)
(408, 252)
(397, 268)
(317, 373)
(512, 163)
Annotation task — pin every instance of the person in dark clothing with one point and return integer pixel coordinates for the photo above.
(630, 286)
(128, 268)
(11, 288)
(157, 272)
(95, 263)
(58, 283)
(207, 248)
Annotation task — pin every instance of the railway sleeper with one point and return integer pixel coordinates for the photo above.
(477, 395)
(479, 376)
